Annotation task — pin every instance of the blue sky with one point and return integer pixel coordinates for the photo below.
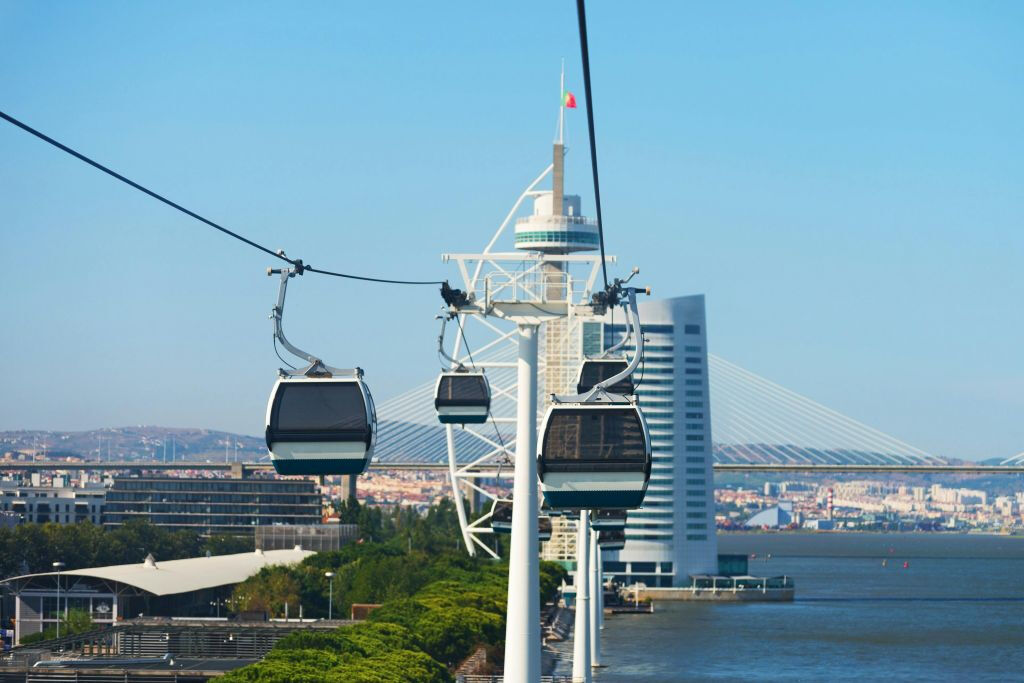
(842, 180)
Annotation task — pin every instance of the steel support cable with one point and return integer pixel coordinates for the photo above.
(829, 434)
(297, 263)
(799, 407)
(767, 431)
(788, 431)
(869, 434)
(867, 440)
(581, 14)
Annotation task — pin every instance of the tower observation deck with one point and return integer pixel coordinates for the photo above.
(563, 232)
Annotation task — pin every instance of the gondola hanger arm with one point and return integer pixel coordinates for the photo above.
(601, 388)
(316, 367)
(456, 365)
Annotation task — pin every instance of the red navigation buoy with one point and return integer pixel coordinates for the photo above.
(906, 565)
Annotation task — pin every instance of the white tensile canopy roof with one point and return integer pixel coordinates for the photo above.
(184, 576)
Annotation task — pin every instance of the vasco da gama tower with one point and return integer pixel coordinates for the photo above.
(673, 535)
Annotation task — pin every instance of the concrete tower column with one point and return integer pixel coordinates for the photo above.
(522, 627)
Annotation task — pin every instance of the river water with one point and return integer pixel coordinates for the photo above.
(956, 612)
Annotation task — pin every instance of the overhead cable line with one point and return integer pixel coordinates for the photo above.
(297, 263)
(581, 13)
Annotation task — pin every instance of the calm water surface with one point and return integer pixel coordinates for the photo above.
(957, 613)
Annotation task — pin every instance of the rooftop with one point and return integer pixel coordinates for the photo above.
(183, 576)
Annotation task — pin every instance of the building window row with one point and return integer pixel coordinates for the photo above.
(647, 347)
(618, 329)
(695, 449)
(556, 236)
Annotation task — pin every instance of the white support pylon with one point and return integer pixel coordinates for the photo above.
(600, 590)
(581, 627)
(595, 602)
(460, 508)
(522, 627)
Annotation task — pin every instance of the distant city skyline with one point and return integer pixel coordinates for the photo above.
(847, 177)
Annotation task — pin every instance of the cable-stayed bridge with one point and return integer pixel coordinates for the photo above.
(757, 425)
(754, 422)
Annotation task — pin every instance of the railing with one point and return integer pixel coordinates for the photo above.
(471, 678)
(741, 583)
(557, 220)
(534, 286)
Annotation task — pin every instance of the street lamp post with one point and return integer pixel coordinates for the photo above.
(330, 595)
(58, 566)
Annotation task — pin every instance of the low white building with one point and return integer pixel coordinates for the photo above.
(188, 587)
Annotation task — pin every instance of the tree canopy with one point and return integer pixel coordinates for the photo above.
(437, 605)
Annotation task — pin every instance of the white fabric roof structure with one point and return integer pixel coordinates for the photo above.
(191, 574)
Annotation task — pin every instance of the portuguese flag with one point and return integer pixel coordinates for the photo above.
(568, 100)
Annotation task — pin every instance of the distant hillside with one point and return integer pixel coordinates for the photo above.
(135, 443)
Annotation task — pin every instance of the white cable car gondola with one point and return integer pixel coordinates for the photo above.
(501, 520)
(595, 449)
(320, 419)
(607, 520)
(611, 540)
(462, 395)
(501, 516)
(595, 370)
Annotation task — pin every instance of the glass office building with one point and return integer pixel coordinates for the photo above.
(213, 506)
(673, 535)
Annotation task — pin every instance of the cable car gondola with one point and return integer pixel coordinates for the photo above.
(607, 520)
(320, 425)
(544, 528)
(501, 516)
(320, 419)
(593, 371)
(595, 449)
(594, 455)
(462, 395)
(611, 540)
